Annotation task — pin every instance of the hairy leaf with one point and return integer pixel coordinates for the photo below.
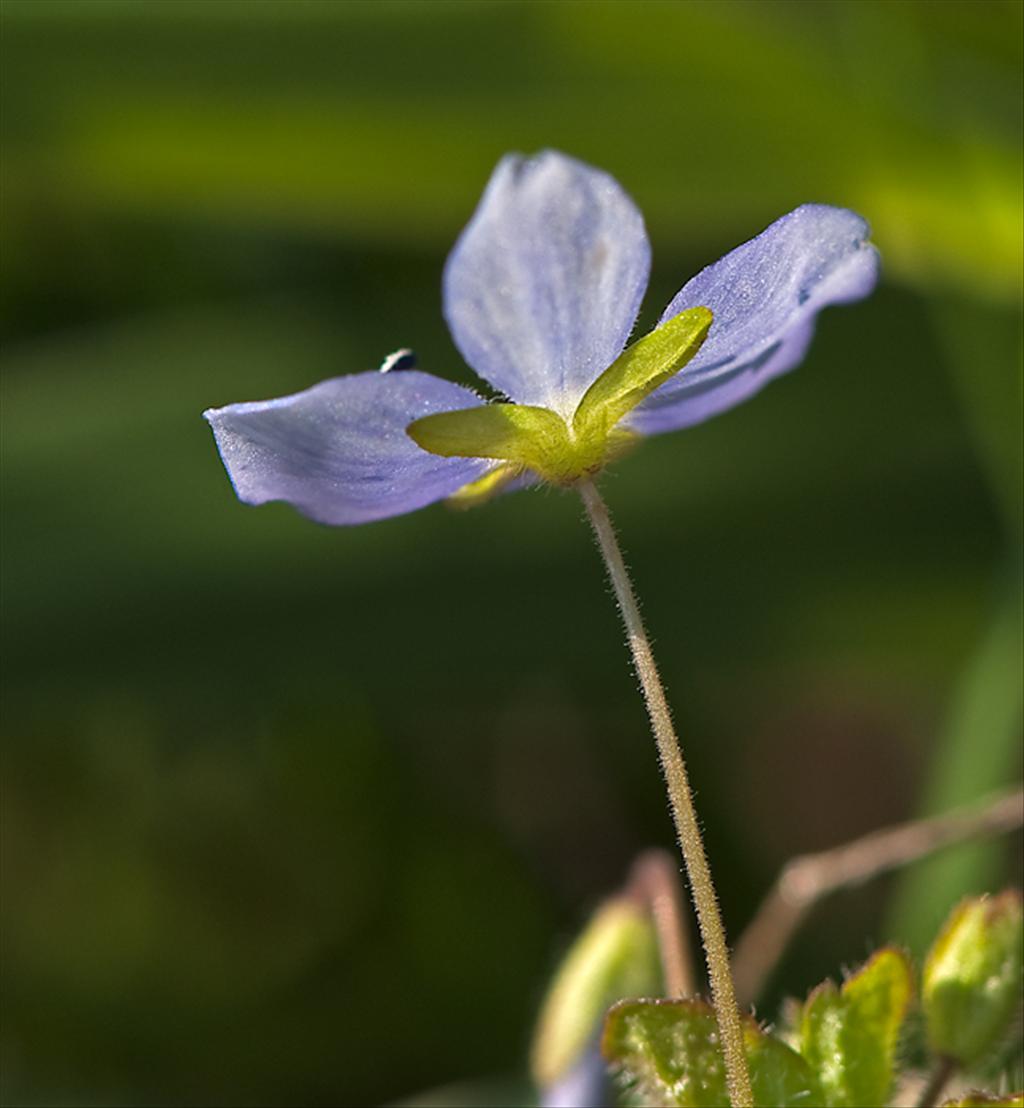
(668, 1051)
(848, 1035)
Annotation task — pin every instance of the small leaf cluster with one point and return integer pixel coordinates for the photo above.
(842, 1049)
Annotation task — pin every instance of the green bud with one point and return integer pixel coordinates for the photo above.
(972, 977)
(616, 956)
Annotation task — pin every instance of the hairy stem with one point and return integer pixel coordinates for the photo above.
(681, 800)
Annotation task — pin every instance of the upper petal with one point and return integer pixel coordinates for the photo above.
(544, 284)
(764, 295)
(339, 452)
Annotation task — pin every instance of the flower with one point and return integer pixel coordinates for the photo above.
(541, 292)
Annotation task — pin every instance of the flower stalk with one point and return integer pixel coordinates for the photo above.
(684, 815)
(940, 1077)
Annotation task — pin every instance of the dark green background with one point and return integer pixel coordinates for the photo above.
(299, 815)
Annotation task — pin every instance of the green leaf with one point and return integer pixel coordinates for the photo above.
(639, 370)
(972, 977)
(668, 1050)
(848, 1035)
(979, 1099)
(616, 956)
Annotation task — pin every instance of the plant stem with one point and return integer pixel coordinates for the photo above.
(807, 879)
(681, 800)
(944, 1070)
(655, 879)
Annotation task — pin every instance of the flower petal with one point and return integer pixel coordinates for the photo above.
(764, 295)
(339, 452)
(544, 284)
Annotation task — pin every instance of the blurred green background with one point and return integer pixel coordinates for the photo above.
(300, 815)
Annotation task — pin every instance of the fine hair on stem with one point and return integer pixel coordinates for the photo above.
(684, 815)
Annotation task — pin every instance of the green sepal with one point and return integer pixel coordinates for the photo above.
(641, 368)
(524, 436)
(615, 956)
(560, 451)
(978, 1099)
(971, 985)
(848, 1036)
(668, 1052)
(530, 437)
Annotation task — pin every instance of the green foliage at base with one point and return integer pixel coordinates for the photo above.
(668, 1051)
(849, 1035)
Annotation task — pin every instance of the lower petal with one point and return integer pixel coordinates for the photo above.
(339, 452)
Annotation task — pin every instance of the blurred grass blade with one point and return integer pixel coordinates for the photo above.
(977, 753)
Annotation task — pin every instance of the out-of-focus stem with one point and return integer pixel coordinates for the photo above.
(681, 801)
(807, 879)
(940, 1078)
(655, 880)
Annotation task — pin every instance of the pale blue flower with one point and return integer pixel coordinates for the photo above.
(541, 292)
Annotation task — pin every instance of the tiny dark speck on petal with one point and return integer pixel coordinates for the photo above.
(803, 296)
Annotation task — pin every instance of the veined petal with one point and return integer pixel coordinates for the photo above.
(765, 296)
(339, 452)
(544, 284)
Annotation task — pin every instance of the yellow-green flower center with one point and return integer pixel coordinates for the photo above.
(558, 450)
